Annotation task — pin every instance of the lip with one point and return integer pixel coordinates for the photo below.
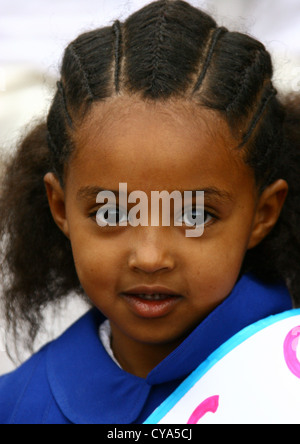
(148, 289)
(151, 309)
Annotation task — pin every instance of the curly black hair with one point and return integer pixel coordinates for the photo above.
(168, 49)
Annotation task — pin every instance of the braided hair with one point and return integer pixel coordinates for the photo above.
(165, 50)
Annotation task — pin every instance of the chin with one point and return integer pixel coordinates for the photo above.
(159, 338)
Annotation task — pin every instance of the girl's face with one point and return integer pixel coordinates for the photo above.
(157, 147)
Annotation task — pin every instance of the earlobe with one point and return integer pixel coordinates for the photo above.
(268, 210)
(56, 199)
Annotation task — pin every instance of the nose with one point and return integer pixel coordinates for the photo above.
(151, 251)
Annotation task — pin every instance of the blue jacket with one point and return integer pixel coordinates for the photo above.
(73, 380)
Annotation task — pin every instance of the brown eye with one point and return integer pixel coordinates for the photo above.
(196, 215)
(111, 216)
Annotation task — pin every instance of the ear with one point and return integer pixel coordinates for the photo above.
(56, 199)
(268, 210)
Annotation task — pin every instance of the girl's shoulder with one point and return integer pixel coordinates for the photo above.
(26, 396)
(34, 392)
(24, 392)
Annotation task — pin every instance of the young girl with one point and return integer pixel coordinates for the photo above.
(164, 101)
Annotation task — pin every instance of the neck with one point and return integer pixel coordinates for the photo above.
(139, 358)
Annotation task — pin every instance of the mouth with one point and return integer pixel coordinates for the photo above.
(151, 302)
(152, 297)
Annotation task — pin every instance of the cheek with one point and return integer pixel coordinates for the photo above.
(221, 252)
(94, 262)
(212, 283)
(216, 264)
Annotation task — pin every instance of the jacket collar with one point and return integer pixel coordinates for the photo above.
(91, 389)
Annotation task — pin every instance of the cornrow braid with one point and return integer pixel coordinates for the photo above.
(84, 75)
(118, 48)
(268, 94)
(245, 80)
(212, 44)
(158, 40)
(62, 94)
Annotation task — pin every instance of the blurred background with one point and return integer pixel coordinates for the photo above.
(34, 33)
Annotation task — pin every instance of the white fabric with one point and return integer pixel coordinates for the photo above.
(105, 337)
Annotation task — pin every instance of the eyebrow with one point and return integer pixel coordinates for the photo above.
(91, 192)
(222, 195)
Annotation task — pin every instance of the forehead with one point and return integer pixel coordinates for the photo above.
(159, 145)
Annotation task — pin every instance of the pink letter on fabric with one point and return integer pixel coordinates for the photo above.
(209, 405)
(290, 351)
